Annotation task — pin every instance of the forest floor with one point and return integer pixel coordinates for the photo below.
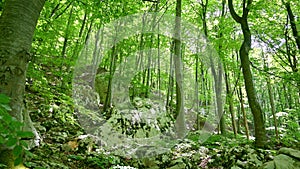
(63, 145)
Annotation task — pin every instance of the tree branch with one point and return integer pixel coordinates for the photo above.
(235, 16)
(151, 1)
(275, 75)
(293, 24)
(64, 10)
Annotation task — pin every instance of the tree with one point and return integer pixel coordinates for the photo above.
(17, 25)
(180, 121)
(216, 68)
(260, 132)
(292, 22)
(297, 39)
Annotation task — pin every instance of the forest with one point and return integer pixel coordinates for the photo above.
(158, 84)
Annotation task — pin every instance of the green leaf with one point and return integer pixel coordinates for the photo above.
(17, 151)
(76, 157)
(25, 134)
(4, 99)
(18, 160)
(1, 139)
(6, 107)
(28, 153)
(11, 142)
(6, 118)
(24, 143)
(16, 124)
(2, 165)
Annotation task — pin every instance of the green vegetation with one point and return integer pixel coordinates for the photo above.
(78, 76)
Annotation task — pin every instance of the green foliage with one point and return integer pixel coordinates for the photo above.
(49, 76)
(55, 156)
(288, 128)
(1, 6)
(11, 134)
(230, 152)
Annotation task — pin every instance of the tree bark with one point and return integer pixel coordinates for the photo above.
(230, 101)
(272, 103)
(218, 77)
(107, 103)
(297, 39)
(293, 23)
(260, 132)
(64, 49)
(180, 120)
(244, 113)
(17, 25)
(271, 98)
(216, 70)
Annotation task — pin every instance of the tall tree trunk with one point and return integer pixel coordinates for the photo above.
(244, 112)
(17, 25)
(271, 98)
(169, 101)
(218, 89)
(218, 80)
(217, 71)
(66, 37)
(107, 103)
(77, 43)
(180, 120)
(238, 126)
(229, 94)
(297, 39)
(64, 49)
(96, 57)
(270, 91)
(293, 23)
(260, 131)
(197, 89)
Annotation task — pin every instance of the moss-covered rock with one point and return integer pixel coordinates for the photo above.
(290, 152)
(287, 158)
